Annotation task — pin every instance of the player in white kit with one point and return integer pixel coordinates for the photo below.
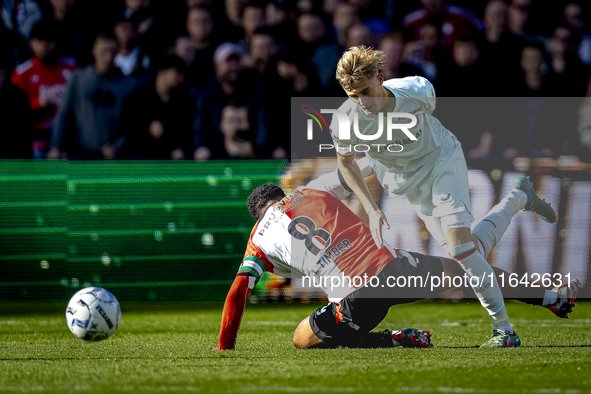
(429, 169)
(312, 233)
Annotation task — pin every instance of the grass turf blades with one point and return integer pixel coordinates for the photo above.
(168, 348)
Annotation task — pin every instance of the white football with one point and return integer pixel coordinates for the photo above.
(93, 314)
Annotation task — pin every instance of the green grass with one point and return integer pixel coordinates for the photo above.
(168, 348)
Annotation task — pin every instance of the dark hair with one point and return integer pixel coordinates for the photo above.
(236, 104)
(261, 196)
(536, 45)
(105, 35)
(254, 4)
(120, 17)
(172, 61)
(286, 5)
(291, 57)
(264, 31)
(200, 8)
(43, 30)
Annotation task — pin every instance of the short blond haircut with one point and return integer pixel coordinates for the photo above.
(359, 63)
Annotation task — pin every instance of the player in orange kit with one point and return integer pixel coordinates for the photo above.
(312, 234)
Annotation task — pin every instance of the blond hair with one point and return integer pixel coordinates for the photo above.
(359, 63)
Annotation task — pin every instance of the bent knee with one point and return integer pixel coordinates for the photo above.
(303, 336)
(457, 236)
(298, 343)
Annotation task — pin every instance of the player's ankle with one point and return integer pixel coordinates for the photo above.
(505, 327)
(517, 198)
(550, 297)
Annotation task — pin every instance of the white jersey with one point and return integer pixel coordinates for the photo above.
(400, 171)
(311, 233)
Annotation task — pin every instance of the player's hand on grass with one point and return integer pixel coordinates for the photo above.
(376, 220)
(217, 349)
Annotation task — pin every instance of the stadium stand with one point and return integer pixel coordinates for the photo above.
(507, 45)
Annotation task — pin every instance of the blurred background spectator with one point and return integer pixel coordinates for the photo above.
(15, 114)
(450, 21)
(500, 52)
(252, 17)
(230, 24)
(345, 16)
(535, 69)
(87, 123)
(263, 49)
(567, 72)
(464, 63)
(425, 52)
(393, 47)
(131, 58)
(312, 32)
(200, 26)
(257, 54)
(230, 85)
(74, 25)
(19, 16)
(573, 16)
(43, 80)
(235, 129)
(157, 119)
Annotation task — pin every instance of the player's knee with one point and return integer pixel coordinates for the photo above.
(457, 236)
(297, 341)
(303, 336)
(300, 340)
(456, 228)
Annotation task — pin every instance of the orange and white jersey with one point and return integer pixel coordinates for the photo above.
(312, 234)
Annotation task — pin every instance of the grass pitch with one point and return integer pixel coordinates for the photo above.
(168, 348)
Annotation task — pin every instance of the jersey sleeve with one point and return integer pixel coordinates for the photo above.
(254, 263)
(431, 98)
(17, 80)
(233, 312)
(422, 89)
(343, 147)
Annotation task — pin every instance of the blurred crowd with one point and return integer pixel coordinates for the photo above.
(204, 79)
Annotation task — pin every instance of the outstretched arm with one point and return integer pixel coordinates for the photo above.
(234, 309)
(353, 177)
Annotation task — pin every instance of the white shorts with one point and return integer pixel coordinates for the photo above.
(444, 194)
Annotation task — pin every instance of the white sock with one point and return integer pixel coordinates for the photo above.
(487, 290)
(550, 297)
(505, 327)
(492, 227)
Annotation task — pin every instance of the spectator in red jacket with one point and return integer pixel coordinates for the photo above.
(451, 22)
(43, 80)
